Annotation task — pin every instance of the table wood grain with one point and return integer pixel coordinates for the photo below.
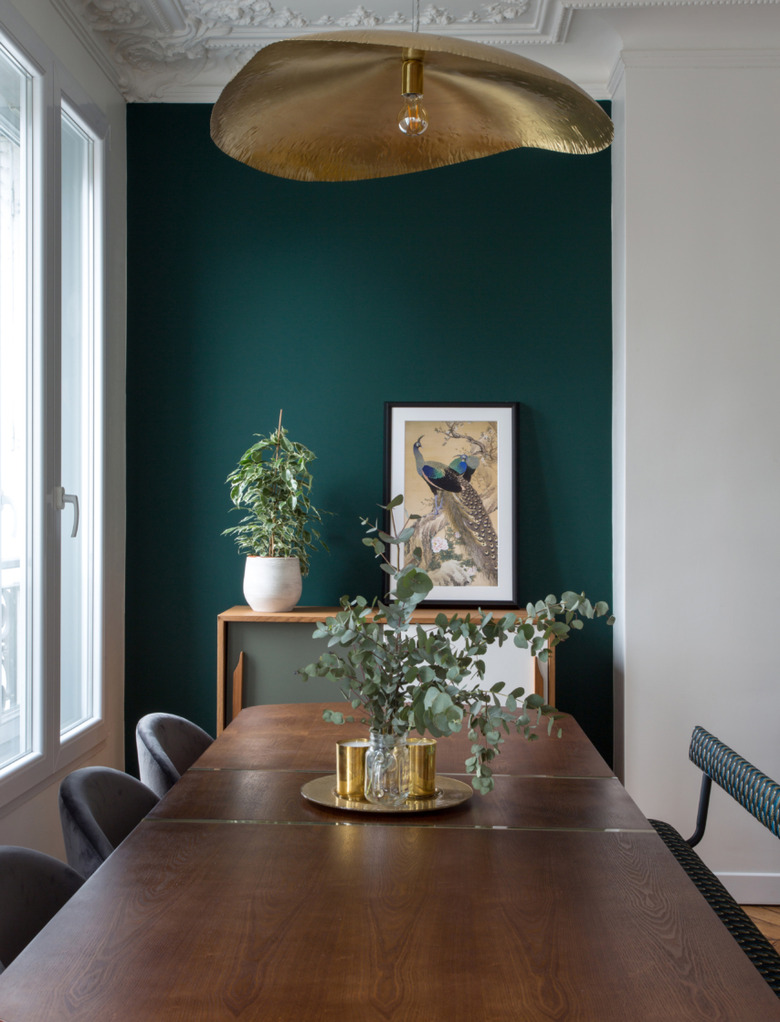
(294, 736)
(236, 900)
(580, 803)
(219, 922)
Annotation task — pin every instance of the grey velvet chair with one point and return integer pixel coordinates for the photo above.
(167, 746)
(33, 888)
(99, 807)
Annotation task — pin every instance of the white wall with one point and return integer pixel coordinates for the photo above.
(697, 447)
(35, 821)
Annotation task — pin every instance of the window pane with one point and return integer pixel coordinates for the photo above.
(16, 698)
(76, 674)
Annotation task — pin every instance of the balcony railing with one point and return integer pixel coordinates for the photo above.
(10, 698)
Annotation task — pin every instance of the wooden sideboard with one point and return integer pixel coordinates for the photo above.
(240, 627)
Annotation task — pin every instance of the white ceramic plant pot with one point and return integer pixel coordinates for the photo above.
(272, 584)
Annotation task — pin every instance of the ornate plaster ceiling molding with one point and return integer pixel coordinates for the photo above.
(187, 50)
(604, 5)
(158, 49)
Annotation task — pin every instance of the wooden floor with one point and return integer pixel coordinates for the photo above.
(767, 919)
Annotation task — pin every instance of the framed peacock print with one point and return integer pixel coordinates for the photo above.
(454, 465)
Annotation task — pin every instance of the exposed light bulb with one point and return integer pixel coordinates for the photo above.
(412, 119)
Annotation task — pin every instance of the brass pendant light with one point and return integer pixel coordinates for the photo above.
(326, 107)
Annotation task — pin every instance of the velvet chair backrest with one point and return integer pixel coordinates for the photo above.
(33, 888)
(167, 746)
(99, 807)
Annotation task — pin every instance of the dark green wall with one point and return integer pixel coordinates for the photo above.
(487, 281)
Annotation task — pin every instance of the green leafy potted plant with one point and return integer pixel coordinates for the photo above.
(404, 678)
(272, 484)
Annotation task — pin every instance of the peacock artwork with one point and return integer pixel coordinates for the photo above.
(452, 484)
(454, 466)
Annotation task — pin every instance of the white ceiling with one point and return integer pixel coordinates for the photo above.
(187, 50)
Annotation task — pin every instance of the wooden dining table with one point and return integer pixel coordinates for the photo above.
(239, 899)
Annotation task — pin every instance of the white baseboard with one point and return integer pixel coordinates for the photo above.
(752, 888)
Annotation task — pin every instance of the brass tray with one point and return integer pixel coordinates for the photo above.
(449, 792)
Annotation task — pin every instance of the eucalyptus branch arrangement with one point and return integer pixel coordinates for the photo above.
(272, 485)
(404, 677)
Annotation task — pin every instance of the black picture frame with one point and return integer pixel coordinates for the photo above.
(465, 483)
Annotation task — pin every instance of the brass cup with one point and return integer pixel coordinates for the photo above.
(351, 769)
(422, 767)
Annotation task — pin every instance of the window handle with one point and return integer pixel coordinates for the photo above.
(61, 498)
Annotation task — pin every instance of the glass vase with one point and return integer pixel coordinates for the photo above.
(387, 769)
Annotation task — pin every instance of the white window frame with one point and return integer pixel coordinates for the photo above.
(52, 89)
(70, 743)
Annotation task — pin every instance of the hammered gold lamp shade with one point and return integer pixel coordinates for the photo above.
(325, 107)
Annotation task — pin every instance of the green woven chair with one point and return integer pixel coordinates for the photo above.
(760, 795)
